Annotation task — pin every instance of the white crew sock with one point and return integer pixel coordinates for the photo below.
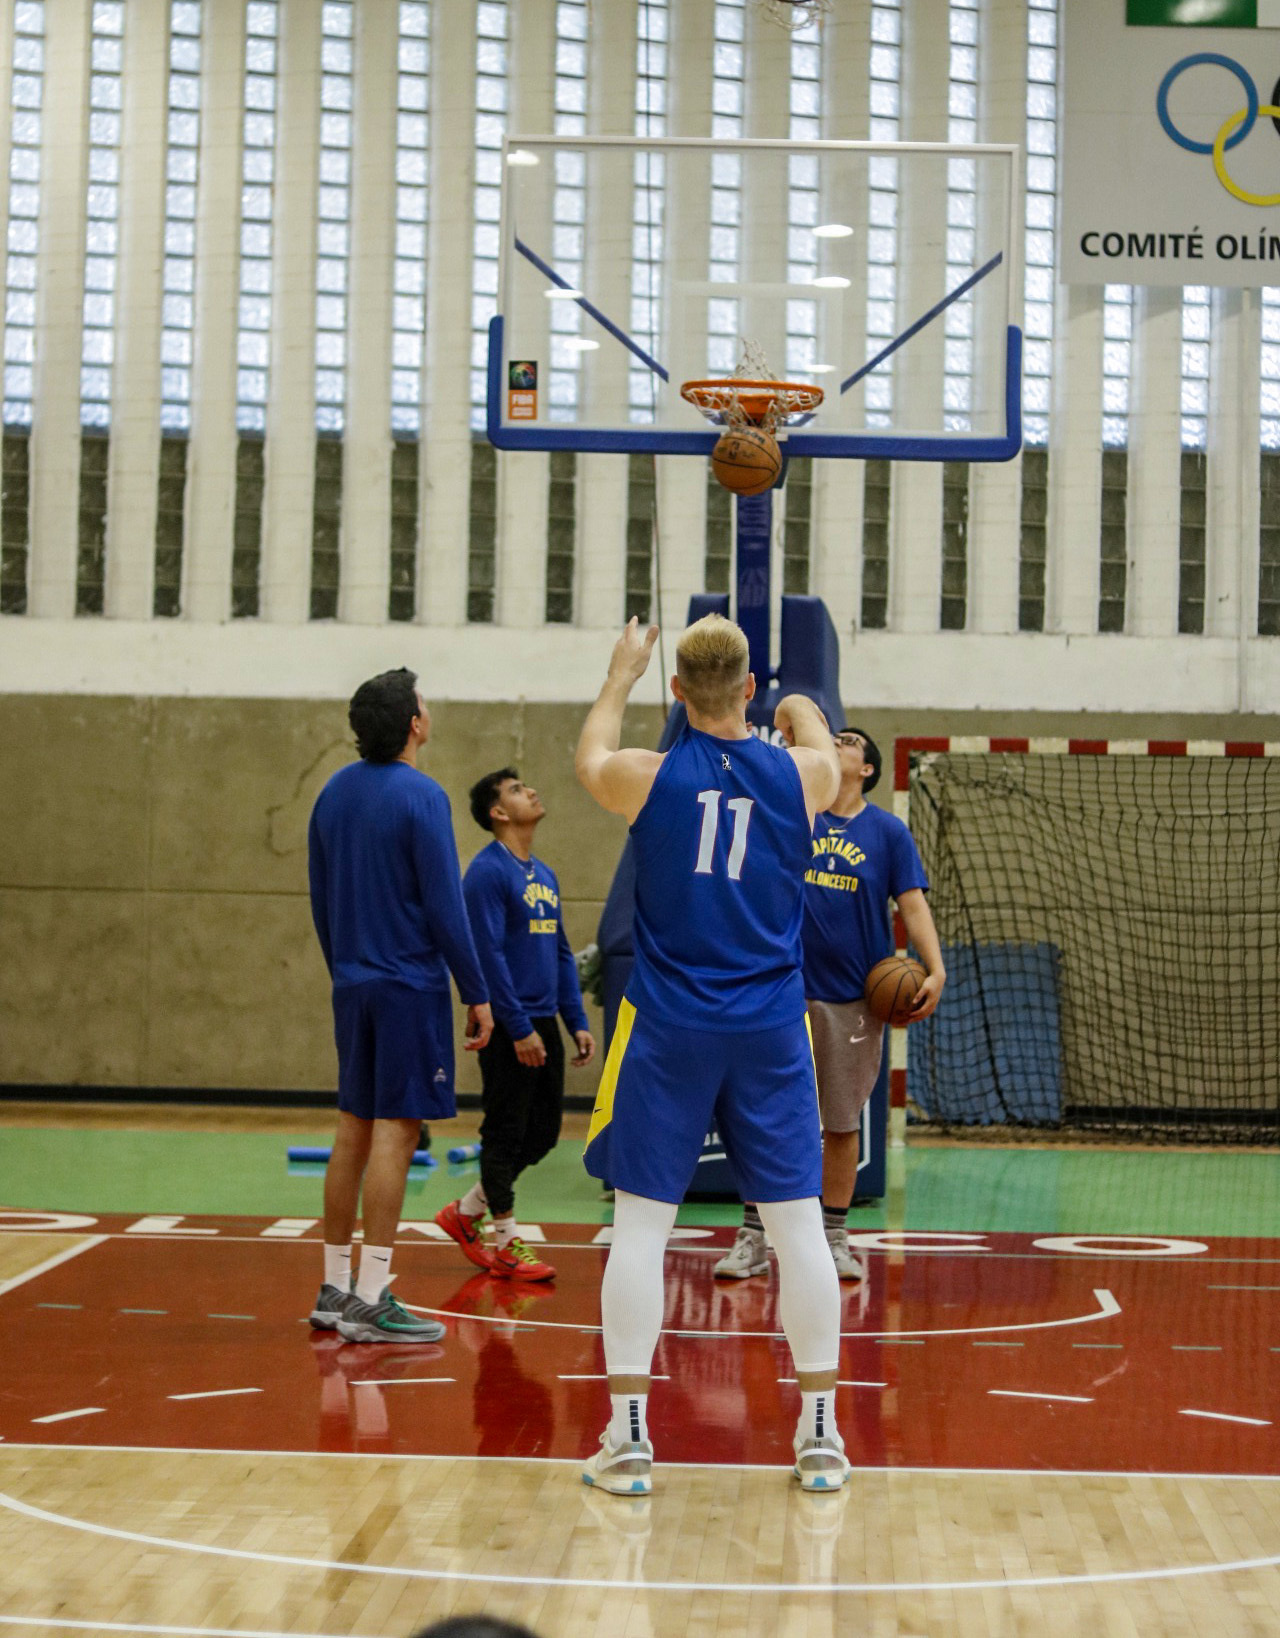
(375, 1272)
(474, 1202)
(337, 1266)
(627, 1424)
(504, 1231)
(817, 1415)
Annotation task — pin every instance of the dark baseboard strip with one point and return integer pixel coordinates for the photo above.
(226, 1097)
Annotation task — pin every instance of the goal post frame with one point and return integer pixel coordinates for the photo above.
(908, 747)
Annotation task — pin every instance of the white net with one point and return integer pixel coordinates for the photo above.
(796, 14)
(1111, 931)
(753, 365)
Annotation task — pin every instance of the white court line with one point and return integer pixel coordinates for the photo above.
(396, 1381)
(886, 1470)
(1221, 1416)
(1067, 1398)
(694, 1248)
(49, 1623)
(58, 1258)
(67, 1416)
(1107, 1308)
(214, 1393)
(492, 1578)
(262, 1238)
(794, 1380)
(604, 1377)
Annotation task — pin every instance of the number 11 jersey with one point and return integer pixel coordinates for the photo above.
(721, 847)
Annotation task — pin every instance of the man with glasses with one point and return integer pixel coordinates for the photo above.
(862, 857)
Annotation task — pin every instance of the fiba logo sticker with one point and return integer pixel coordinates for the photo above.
(1233, 130)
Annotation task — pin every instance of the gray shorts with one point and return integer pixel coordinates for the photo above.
(847, 1047)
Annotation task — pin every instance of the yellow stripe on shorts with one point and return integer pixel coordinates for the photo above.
(602, 1114)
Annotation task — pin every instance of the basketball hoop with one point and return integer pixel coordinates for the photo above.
(795, 14)
(737, 401)
(746, 457)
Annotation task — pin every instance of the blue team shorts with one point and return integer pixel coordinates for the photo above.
(664, 1087)
(395, 1051)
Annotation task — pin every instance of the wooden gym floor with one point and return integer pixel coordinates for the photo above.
(1048, 1425)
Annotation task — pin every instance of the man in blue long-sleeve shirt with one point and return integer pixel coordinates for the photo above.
(386, 898)
(514, 903)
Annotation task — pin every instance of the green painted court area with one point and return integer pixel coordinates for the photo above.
(956, 1187)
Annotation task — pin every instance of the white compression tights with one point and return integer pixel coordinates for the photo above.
(631, 1296)
(808, 1285)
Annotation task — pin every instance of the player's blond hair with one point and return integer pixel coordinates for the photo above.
(712, 663)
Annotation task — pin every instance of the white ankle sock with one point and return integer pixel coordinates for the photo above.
(504, 1231)
(375, 1272)
(474, 1202)
(337, 1266)
(628, 1424)
(817, 1415)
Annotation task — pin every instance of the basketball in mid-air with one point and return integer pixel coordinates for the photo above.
(746, 460)
(891, 988)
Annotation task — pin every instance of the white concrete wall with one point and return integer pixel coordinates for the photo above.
(911, 665)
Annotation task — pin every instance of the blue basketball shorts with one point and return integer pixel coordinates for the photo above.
(664, 1087)
(395, 1051)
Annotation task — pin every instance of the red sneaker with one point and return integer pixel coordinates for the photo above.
(515, 1261)
(466, 1231)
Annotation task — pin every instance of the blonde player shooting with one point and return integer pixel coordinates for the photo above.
(712, 1027)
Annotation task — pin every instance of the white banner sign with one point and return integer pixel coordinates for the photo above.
(1170, 152)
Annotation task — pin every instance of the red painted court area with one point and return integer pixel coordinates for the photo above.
(962, 1351)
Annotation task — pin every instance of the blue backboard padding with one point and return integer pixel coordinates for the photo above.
(858, 446)
(810, 651)
(992, 1052)
(704, 603)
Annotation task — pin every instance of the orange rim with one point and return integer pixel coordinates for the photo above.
(756, 399)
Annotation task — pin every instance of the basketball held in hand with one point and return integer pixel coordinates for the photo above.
(747, 460)
(891, 988)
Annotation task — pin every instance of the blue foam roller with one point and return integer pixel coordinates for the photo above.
(465, 1151)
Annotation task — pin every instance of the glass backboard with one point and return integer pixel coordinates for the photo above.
(884, 273)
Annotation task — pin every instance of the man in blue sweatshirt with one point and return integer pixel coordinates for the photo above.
(514, 903)
(386, 898)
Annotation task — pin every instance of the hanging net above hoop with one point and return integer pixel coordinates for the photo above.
(751, 397)
(796, 14)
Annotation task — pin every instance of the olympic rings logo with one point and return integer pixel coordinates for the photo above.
(1233, 130)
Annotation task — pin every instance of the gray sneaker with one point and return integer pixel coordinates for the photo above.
(848, 1267)
(821, 1464)
(386, 1320)
(330, 1307)
(623, 1470)
(744, 1258)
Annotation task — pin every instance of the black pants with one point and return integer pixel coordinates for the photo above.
(523, 1108)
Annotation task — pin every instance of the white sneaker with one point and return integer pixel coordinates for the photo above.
(745, 1257)
(848, 1267)
(821, 1464)
(623, 1470)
